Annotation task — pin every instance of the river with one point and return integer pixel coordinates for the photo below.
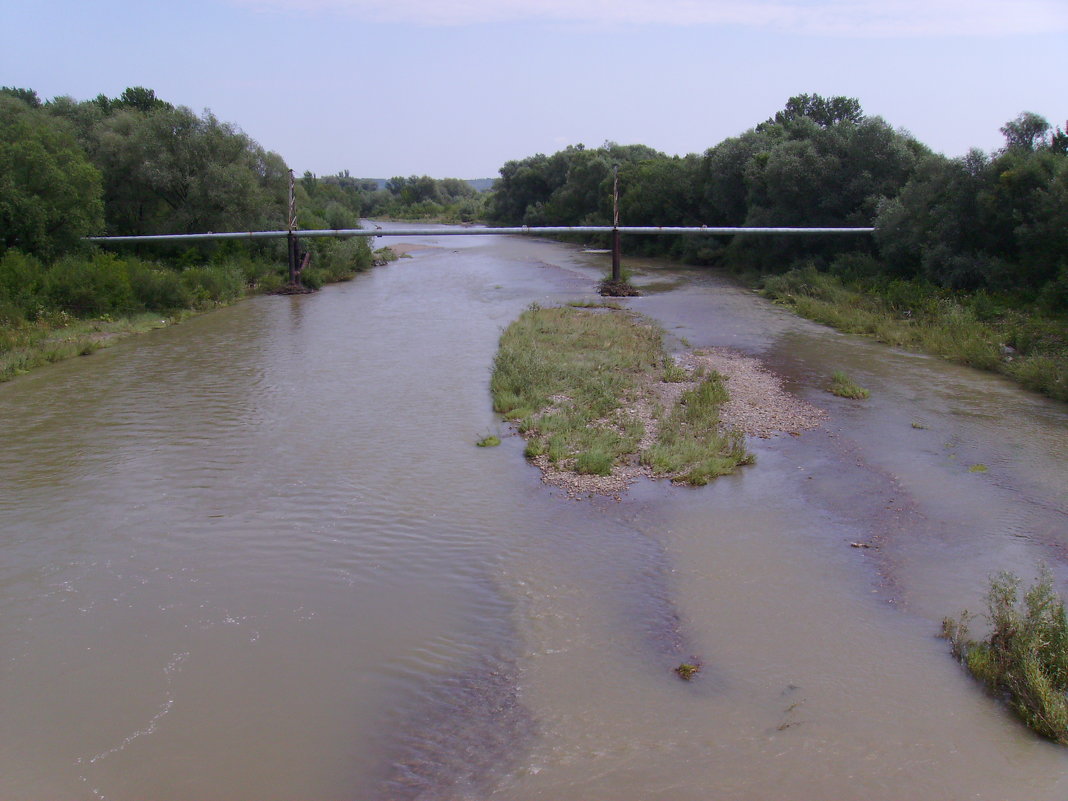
(258, 556)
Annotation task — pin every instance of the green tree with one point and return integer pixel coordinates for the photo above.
(50, 195)
(27, 96)
(169, 171)
(570, 187)
(1028, 131)
(82, 117)
(978, 222)
(141, 99)
(824, 111)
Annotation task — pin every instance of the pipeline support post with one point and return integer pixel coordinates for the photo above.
(617, 273)
(290, 238)
(292, 242)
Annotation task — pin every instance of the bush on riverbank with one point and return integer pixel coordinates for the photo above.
(107, 284)
(82, 302)
(1025, 657)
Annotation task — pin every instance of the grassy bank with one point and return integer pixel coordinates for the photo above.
(79, 304)
(979, 330)
(55, 337)
(581, 384)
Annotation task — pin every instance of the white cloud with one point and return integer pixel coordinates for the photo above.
(828, 17)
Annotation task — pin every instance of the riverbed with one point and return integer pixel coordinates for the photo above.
(258, 556)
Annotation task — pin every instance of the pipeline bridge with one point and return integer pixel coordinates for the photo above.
(293, 235)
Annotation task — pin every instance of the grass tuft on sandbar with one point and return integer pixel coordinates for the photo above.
(571, 378)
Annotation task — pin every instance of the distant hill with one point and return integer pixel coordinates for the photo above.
(478, 184)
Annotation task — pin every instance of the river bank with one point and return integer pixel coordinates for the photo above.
(79, 306)
(998, 334)
(58, 337)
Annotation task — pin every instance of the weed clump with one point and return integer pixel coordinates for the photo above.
(618, 288)
(492, 441)
(1025, 657)
(673, 372)
(687, 670)
(383, 256)
(845, 387)
(691, 444)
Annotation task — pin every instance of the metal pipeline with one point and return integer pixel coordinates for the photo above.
(345, 233)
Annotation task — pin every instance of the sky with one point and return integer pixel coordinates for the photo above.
(455, 88)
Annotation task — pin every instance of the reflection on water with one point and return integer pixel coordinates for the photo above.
(258, 556)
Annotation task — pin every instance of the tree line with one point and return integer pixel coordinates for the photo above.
(988, 227)
(338, 201)
(136, 164)
(130, 165)
(996, 222)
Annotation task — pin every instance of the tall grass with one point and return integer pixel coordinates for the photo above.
(1025, 657)
(564, 372)
(977, 330)
(690, 443)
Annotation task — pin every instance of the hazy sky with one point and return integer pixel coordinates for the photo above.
(458, 87)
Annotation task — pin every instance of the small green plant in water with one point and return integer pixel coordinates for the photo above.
(687, 670)
(977, 468)
(492, 441)
(1025, 657)
(845, 387)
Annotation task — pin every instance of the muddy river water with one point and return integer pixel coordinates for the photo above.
(258, 556)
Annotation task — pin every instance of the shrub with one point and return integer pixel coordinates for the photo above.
(338, 260)
(20, 285)
(216, 284)
(1025, 657)
(1054, 295)
(313, 277)
(158, 288)
(90, 287)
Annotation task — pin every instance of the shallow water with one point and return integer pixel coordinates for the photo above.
(257, 555)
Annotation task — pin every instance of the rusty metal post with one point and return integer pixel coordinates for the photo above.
(617, 273)
(290, 238)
